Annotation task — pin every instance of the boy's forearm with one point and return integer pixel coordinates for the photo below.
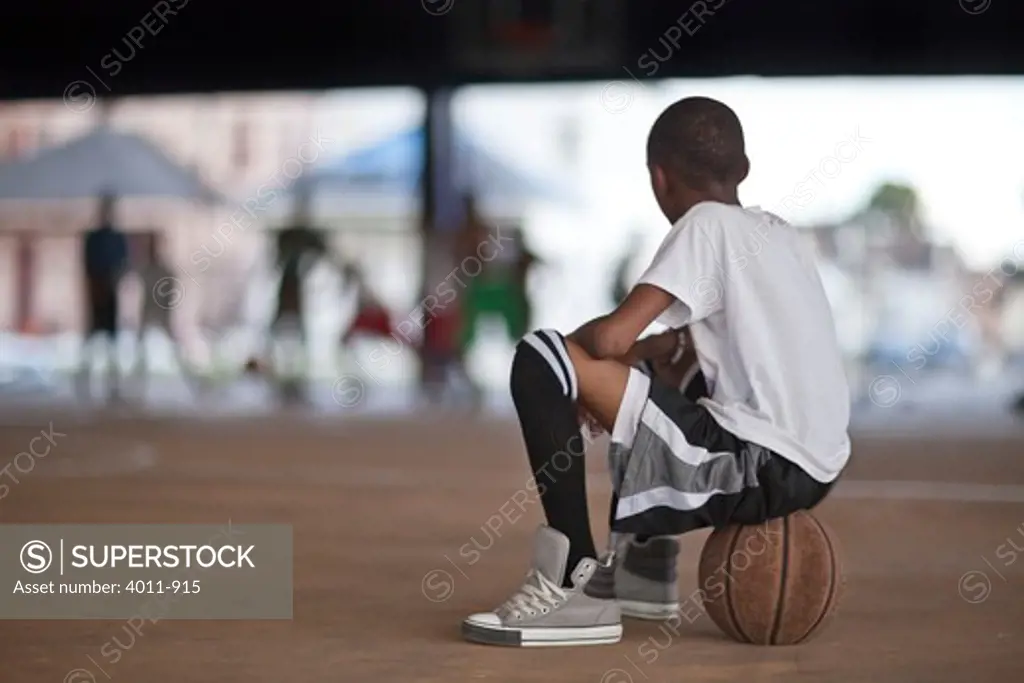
(653, 347)
(599, 341)
(586, 336)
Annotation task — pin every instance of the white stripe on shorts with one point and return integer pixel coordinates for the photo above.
(663, 496)
(655, 419)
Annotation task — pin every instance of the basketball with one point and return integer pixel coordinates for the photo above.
(775, 583)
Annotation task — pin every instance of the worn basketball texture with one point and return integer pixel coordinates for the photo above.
(772, 584)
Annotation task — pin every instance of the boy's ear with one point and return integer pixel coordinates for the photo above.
(744, 170)
(659, 180)
(661, 185)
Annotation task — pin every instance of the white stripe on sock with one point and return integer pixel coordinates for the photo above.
(559, 343)
(537, 343)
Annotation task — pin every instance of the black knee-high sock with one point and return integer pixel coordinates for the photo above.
(544, 390)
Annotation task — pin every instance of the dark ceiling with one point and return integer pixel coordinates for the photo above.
(209, 45)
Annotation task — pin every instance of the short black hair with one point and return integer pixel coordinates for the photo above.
(700, 141)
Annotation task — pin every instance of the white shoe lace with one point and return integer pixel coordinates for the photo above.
(538, 595)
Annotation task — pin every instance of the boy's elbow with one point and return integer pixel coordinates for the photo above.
(609, 344)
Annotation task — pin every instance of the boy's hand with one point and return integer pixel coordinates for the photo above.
(673, 368)
(587, 421)
(656, 348)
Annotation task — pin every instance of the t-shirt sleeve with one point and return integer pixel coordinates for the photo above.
(688, 266)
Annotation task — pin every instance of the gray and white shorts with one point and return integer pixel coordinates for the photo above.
(675, 469)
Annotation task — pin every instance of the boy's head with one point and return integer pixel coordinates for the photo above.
(695, 153)
(107, 205)
(353, 271)
(302, 207)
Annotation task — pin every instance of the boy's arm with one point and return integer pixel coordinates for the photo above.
(686, 270)
(614, 335)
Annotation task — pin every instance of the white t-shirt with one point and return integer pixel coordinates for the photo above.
(749, 289)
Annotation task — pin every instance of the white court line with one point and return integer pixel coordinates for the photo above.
(399, 478)
(132, 459)
(930, 490)
(136, 457)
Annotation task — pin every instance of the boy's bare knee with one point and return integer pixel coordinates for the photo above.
(602, 383)
(585, 364)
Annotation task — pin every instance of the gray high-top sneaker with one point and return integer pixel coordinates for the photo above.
(644, 578)
(542, 612)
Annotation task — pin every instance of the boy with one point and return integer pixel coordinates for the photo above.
(770, 438)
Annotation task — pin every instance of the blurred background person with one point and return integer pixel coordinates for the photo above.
(161, 295)
(372, 319)
(298, 246)
(105, 262)
(526, 264)
(225, 320)
(493, 273)
(444, 364)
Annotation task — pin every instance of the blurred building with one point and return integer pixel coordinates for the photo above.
(235, 142)
(901, 286)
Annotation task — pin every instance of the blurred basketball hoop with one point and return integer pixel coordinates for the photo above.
(521, 37)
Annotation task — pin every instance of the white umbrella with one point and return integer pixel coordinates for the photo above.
(102, 162)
